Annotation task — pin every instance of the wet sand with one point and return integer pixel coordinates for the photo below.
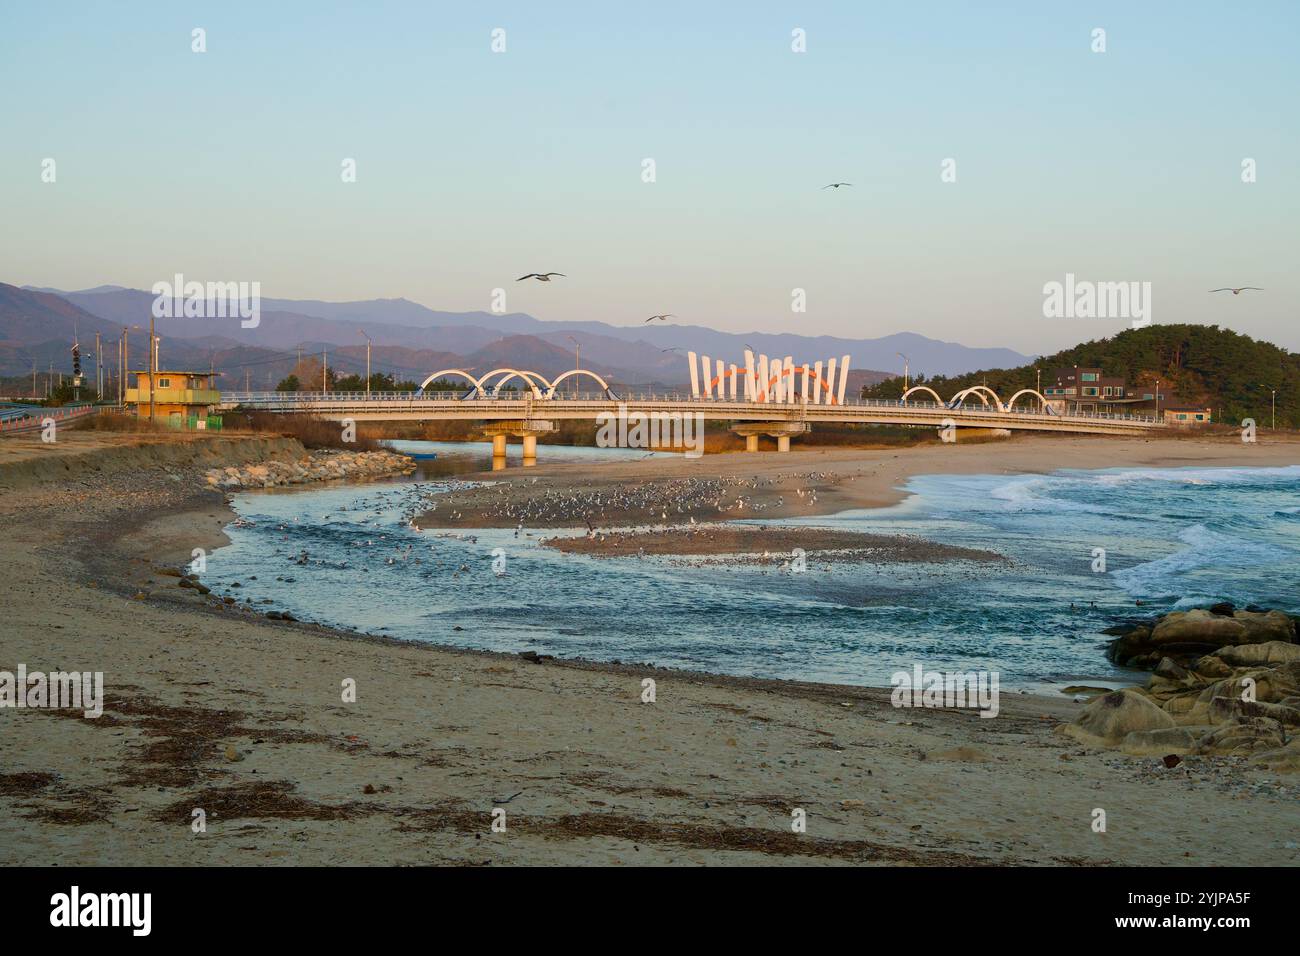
(213, 707)
(773, 544)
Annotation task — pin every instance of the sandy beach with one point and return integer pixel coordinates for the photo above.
(212, 707)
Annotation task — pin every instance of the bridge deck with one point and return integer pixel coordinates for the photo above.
(407, 406)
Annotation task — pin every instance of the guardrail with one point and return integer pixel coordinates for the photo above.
(33, 418)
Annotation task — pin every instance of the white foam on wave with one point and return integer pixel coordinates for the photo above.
(1205, 549)
(1193, 476)
(1028, 493)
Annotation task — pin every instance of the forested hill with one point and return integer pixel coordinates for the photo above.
(1200, 364)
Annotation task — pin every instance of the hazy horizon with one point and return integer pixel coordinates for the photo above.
(475, 167)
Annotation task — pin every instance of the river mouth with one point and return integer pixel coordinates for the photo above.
(350, 555)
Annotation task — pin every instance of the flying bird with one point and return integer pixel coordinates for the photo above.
(666, 315)
(1239, 291)
(540, 276)
(835, 185)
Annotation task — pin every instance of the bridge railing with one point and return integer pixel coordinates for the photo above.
(305, 399)
(31, 417)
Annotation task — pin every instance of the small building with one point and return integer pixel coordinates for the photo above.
(1186, 415)
(1087, 390)
(182, 399)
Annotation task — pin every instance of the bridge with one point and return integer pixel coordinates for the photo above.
(533, 405)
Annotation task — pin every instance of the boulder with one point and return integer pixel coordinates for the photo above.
(1230, 707)
(1157, 743)
(1108, 720)
(1198, 627)
(1254, 655)
(1185, 636)
(1242, 736)
(1212, 667)
(1280, 760)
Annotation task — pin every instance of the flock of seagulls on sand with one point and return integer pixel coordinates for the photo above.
(677, 500)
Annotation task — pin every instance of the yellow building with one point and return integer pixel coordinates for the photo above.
(1187, 415)
(183, 399)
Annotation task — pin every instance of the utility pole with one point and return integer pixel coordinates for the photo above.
(362, 331)
(906, 368)
(33, 378)
(324, 366)
(99, 370)
(153, 369)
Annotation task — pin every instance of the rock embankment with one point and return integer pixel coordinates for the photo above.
(1239, 699)
(320, 465)
(1187, 636)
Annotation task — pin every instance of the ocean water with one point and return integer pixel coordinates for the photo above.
(1173, 538)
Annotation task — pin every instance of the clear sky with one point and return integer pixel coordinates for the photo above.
(476, 167)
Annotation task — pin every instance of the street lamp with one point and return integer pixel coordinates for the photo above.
(905, 368)
(368, 344)
(577, 353)
(1273, 425)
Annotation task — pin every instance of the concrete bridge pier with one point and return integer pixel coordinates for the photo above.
(499, 432)
(781, 431)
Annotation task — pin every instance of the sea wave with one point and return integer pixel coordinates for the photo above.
(1206, 549)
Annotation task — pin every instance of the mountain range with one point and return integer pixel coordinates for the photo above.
(38, 325)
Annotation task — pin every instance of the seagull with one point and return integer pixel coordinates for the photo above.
(666, 315)
(835, 185)
(540, 276)
(1239, 291)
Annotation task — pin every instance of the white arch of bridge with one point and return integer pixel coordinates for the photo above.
(580, 371)
(1042, 399)
(511, 373)
(449, 371)
(980, 391)
(922, 388)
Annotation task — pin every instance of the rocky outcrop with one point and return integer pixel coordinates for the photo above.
(1242, 700)
(1109, 719)
(321, 465)
(1185, 636)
